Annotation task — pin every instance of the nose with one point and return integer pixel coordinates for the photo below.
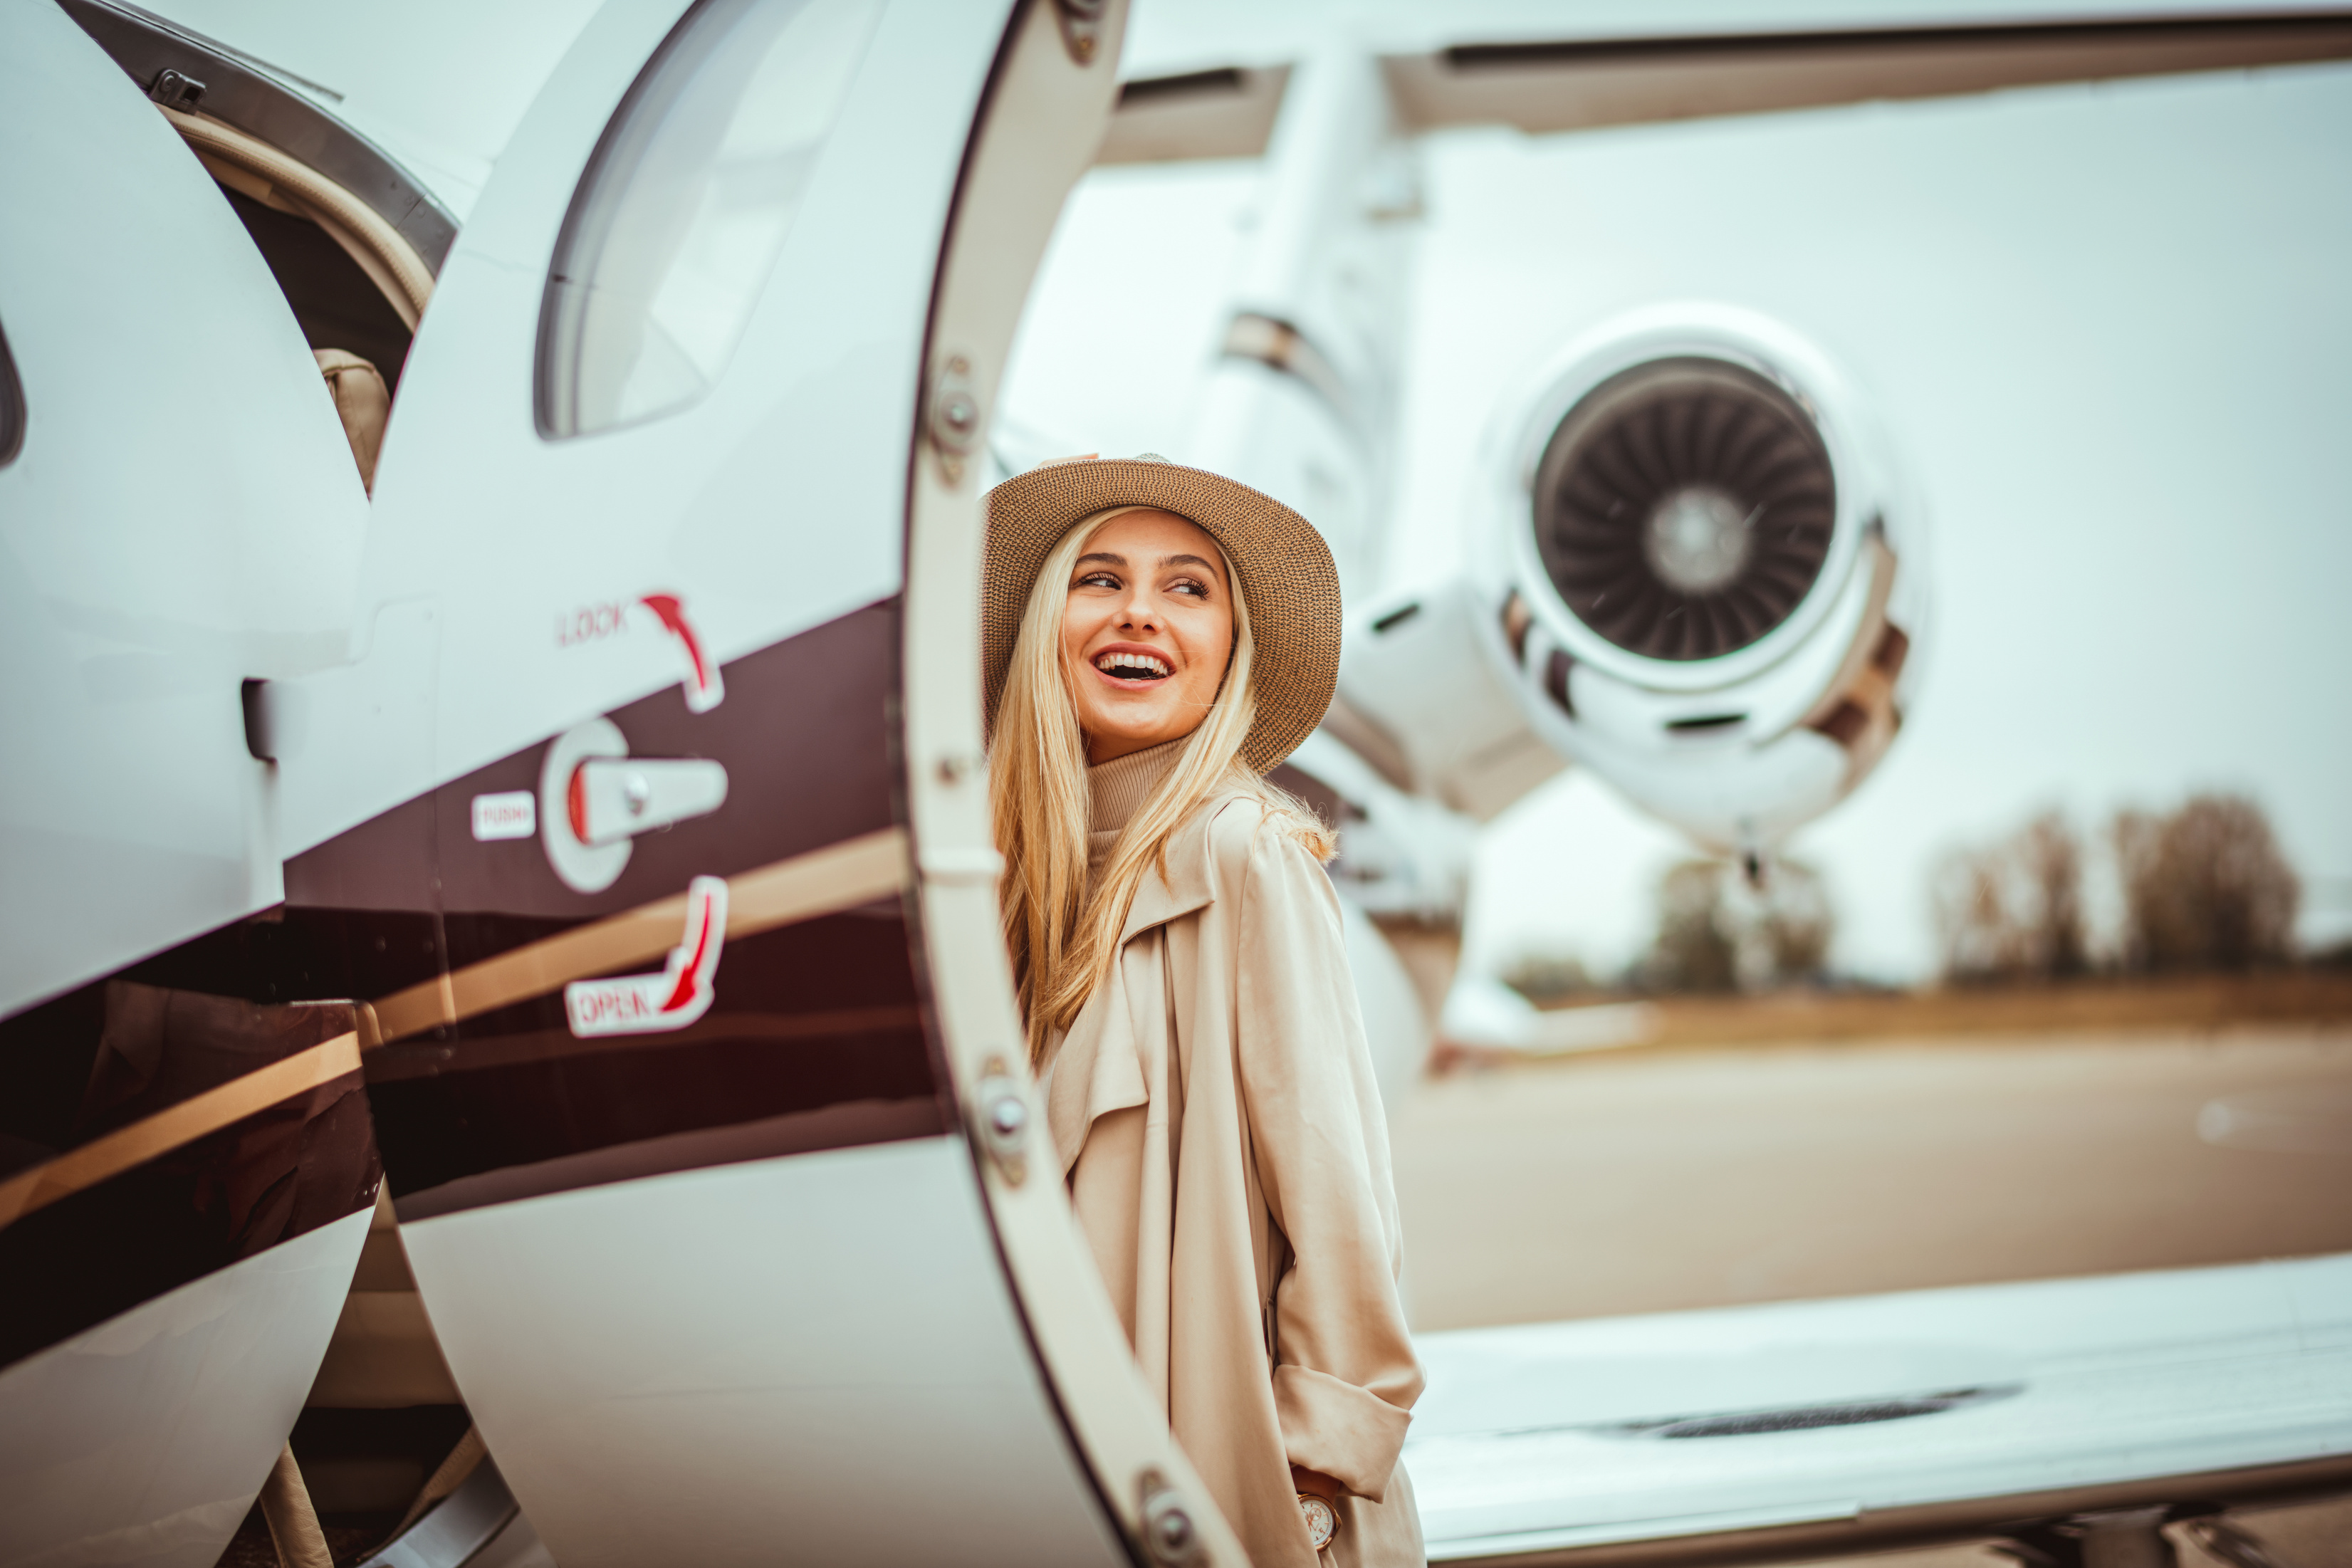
(1141, 612)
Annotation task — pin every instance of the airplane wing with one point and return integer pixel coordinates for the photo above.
(1580, 82)
(1872, 1422)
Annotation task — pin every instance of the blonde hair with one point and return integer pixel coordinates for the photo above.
(1064, 934)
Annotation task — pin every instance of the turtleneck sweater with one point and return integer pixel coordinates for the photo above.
(1118, 790)
(1116, 793)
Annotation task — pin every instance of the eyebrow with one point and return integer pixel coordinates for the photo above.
(1164, 561)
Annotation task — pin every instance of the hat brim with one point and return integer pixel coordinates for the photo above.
(1288, 578)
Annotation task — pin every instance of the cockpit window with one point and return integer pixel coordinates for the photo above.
(12, 406)
(685, 205)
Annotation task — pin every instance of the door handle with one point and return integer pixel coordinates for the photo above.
(594, 799)
(608, 799)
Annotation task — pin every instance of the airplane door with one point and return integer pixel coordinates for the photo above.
(183, 1176)
(680, 1164)
(180, 513)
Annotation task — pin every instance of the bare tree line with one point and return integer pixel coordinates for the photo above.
(1717, 932)
(1720, 932)
(2201, 887)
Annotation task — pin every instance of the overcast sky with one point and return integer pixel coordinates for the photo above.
(2110, 328)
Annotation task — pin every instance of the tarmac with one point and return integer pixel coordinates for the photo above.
(1654, 1179)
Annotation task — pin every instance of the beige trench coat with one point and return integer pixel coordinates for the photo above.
(1222, 1138)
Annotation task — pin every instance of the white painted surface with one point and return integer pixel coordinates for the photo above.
(1482, 1011)
(623, 799)
(814, 1359)
(1169, 38)
(1417, 664)
(440, 85)
(144, 1440)
(2122, 1378)
(1753, 784)
(341, 732)
(677, 227)
(1328, 260)
(1395, 1031)
(774, 503)
(185, 514)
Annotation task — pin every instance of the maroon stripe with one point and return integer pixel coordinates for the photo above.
(280, 1172)
(809, 1018)
(851, 1124)
(805, 734)
(814, 1016)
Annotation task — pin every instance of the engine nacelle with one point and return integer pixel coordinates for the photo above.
(1703, 579)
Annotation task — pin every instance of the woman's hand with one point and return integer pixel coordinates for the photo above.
(1303, 1479)
(1322, 1515)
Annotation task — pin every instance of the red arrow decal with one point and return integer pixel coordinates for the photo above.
(680, 993)
(703, 686)
(690, 978)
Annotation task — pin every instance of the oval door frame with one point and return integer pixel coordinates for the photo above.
(1048, 105)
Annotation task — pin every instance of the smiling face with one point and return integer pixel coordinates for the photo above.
(1147, 633)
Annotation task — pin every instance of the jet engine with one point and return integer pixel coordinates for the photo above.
(1702, 579)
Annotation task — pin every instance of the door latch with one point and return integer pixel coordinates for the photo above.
(594, 799)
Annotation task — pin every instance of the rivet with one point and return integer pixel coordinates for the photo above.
(1170, 1537)
(1004, 1120)
(1008, 1116)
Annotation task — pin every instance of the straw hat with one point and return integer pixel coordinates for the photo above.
(1286, 571)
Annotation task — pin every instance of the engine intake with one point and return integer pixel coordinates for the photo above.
(1704, 579)
(1684, 508)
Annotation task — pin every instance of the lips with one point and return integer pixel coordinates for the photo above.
(1132, 664)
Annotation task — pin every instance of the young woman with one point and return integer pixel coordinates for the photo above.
(1157, 637)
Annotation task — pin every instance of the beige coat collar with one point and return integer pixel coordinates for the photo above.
(1088, 1081)
(1186, 886)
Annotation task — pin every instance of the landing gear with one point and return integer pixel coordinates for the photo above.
(2133, 1538)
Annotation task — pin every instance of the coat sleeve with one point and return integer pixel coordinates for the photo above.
(1345, 1378)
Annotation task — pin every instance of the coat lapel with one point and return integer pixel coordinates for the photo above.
(1099, 1066)
(1097, 1072)
(1186, 887)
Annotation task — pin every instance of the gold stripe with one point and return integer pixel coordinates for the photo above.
(838, 876)
(167, 1130)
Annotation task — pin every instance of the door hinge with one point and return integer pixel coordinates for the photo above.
(1001, 1116)
(1081, 23)
(955, 417)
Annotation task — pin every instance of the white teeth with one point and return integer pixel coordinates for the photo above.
(1128, 666)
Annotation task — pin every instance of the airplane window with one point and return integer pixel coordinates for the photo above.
(12, 406)
(686, 204)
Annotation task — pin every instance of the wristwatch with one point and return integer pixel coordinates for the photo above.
(1322, 1519)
